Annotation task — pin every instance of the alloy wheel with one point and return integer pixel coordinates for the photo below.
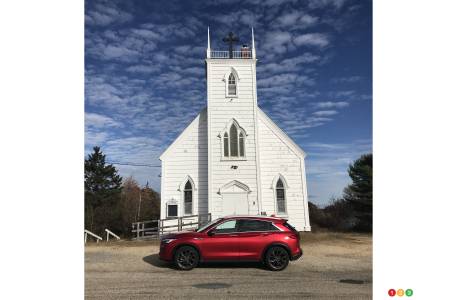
(277, 258)
(186, 258)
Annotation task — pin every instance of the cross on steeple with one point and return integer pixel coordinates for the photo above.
(230, 39)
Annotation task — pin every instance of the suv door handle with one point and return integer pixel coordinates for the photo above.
(264, 234)
(234, 235)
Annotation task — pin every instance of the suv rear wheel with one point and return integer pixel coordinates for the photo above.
(186, 258)
(277, 258)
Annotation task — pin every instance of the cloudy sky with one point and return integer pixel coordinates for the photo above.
(145, 77)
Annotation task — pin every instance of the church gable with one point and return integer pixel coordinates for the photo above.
(199, 121)
(262, 117)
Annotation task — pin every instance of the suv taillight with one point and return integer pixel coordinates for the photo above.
(292, 229)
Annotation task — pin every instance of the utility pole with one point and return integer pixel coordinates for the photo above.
(139, 207)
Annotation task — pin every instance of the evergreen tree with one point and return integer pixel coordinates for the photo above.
(359, 194)
(102, 186)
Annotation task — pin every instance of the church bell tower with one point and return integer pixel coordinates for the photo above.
(233, 151)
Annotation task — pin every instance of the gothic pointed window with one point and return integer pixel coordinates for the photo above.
(281, 196)
(188, 198)
(234, 142)
(231, 85)
(241, 145)
(226, 145)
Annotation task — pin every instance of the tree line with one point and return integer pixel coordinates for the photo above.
(352, 211)
(113, 202)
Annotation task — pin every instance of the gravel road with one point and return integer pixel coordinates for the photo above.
(334, 266)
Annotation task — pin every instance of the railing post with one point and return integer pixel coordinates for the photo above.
(180, 224)
(157, 233)
(107, 236)
(85, 237)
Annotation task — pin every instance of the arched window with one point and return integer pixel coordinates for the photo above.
(226, 145)
(188, 198)
(234, 142)
(231, 85)
(281, 197)
(241, 144)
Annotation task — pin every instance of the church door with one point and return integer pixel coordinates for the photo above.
(235, 204)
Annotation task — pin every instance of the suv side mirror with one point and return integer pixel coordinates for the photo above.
(211, 232)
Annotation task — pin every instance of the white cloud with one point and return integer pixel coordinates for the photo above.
(143, 69)
(289, 64)
(295, 19)
(147, 34)
(312, 39)
(111, 52)
(324, 113)
(103, 15)
(337, 4)
(277, 41)
(99, 121)
(349, 79)
(94, 138)
(330, 104)
(285, 79)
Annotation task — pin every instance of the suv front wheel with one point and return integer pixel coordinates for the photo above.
(186, 258)
(276, 258)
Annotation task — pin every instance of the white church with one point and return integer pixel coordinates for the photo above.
(233, 159)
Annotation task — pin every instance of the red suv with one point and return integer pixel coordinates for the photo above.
(270, 240)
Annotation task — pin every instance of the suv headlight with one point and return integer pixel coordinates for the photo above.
(167, 241)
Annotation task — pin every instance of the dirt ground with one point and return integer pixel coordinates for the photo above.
(334, 266)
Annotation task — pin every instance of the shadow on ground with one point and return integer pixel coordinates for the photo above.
(156, 262)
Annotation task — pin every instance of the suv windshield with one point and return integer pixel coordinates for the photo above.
(208, 224)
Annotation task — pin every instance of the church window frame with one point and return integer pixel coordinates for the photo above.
(231, 80)
(188, 193)
(183, 194)
(170, 206)
(233, 142)
(280, 187)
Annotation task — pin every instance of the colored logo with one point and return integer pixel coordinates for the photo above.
(400, 292)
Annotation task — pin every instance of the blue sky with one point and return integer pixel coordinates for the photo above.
(145, 77)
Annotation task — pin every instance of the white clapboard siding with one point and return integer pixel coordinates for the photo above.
(187, 156)
(280, 157)
(221, 110)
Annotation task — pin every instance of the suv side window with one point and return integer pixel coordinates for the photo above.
(226, 227)
(255, 225)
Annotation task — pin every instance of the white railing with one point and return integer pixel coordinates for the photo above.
(86, 232)
(156, 228)
(219, 54)
(109, 232)
(244, 54)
